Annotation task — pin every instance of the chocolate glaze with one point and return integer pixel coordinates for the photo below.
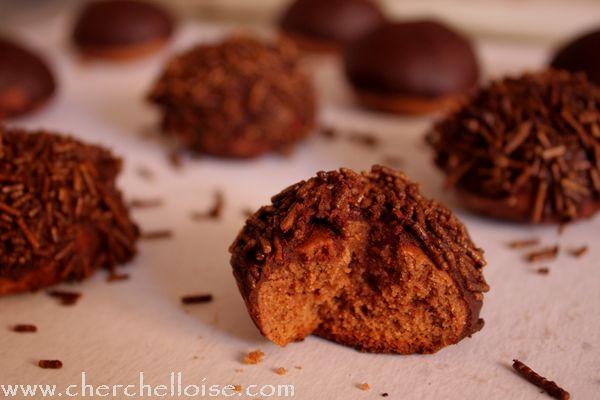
(115, 23)
(581, 55)
(333, 21)
(25, 80)
(422, 59)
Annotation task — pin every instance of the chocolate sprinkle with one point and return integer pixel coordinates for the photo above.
(579, 251)
(116, 277)
(66, 298)
(146, 203)
(519, 244)
(50, 364)
(157, 234)
(197, 299)
(549, 387)
(548, 253)
(25, 328)
(543, 270)
(214, 212)
(536, 136)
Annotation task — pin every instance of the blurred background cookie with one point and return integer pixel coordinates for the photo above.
(412, 67)
(581, 54)
(328, 25)
(26, 81)
(237, 98)
(121, 29)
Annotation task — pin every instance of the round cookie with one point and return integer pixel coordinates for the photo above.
(121, 29)
(582, 54)
(361, 259)
(26, 81)
(61, 215)
(238, 98)
(328, 25)
(411, 67)
(525, 149)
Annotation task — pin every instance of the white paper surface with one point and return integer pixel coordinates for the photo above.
(117, 330)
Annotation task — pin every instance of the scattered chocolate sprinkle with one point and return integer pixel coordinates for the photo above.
(548, 253)
(579, 251)
(146, 203)
(543, 270)
(254, 357)
(157, 234)
(24, 328)
(116, 277)
(214, 212)
(384, 394)
(549, 387)
(298, 366)
(329, 133)
(534, 136)
(145, 173)
(519, 244)
(197, 299)
(364, 386)
(175, 159)
(66, 298)
(281, 371)
(364, 139)
(50, 364)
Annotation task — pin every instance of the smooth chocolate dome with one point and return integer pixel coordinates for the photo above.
(334, 21)
(422, 59)
(581, 55)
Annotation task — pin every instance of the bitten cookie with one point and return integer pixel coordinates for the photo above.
(525, 149)
(26, 81)
(361, 259)
(61, 215)
(237, 98)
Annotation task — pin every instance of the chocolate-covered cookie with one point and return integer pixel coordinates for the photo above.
(26, 81)
(121, 29)
(62, 216)
(328, 25)
(241, 97)
(362, 259)
(582, 54)
(411, 67)
(526, 149)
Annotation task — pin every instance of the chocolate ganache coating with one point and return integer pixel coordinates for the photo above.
(421, 59)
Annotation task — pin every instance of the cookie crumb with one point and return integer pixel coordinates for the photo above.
(25, 328)
(546, 385)
(65, 297)
(197, 299)
(254, 357)
(50, 364)
(281, 371)
(157, 234)
(239, 370)
(579, 251)
(237, 388)
(364, 386)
